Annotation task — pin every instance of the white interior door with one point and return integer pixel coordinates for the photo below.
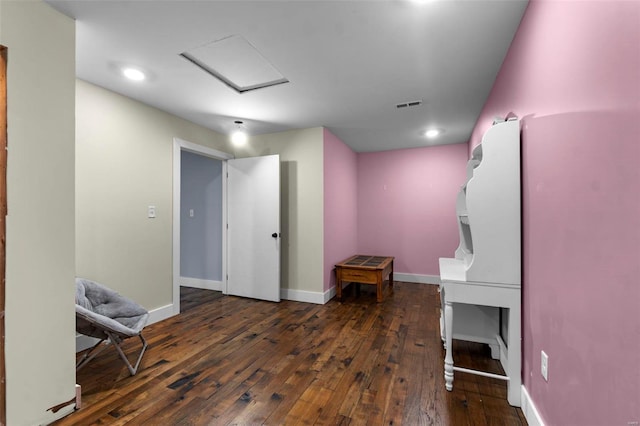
(253, 206)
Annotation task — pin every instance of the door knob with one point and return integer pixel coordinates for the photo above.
(274, 235)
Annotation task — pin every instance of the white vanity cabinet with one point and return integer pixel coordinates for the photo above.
(484, 277)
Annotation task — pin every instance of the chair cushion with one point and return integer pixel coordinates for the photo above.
(121, 315)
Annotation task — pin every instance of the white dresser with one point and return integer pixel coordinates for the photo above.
(480, 286)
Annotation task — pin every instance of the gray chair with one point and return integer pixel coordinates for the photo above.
(106, 315)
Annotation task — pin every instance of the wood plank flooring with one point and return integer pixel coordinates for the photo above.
(227, 360)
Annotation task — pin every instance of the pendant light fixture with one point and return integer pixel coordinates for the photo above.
(239, 136)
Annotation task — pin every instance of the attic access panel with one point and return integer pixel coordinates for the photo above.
(235, 62)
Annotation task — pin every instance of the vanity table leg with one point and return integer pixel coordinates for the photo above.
(448, 360)
(514, 362)
(443, 330)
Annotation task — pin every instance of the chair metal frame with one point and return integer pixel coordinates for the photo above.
(93, 323)
(115, 340)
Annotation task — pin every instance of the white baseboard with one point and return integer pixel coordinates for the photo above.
(155, 315)
(529, 409)
(416, 278)
(410, 278)
(200, 283)
(322, 298)
(305, 296)
(161, 313)
(329, 294)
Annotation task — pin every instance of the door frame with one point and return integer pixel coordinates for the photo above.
(180, 145)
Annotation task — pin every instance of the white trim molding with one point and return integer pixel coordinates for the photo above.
(328, 295)
(200, 283)
(180, 145)
(529, 409)
(416, 278)
(397, 276)
(305, 296)
(201, 149)
(160, 314)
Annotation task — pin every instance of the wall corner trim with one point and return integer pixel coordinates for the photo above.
(529, 409)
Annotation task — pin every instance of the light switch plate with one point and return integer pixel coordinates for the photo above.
(151, 212)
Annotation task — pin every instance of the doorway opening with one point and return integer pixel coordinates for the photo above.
(250, 249)
(201, 207)
(189, 267)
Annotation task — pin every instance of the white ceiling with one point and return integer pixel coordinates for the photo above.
(348, 62)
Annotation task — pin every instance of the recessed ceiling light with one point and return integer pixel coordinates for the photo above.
(133, 74)
(432, 133)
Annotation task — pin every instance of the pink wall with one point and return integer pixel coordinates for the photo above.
(340, 204)
(406, 205)
(573, 76)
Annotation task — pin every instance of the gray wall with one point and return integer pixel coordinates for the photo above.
(201, 235)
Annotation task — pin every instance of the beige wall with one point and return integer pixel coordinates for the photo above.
(124, 164)
(40, 320)
(301, 157)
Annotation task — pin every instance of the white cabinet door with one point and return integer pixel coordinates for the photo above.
(253, 205)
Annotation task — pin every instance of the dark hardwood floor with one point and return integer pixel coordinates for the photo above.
(227, 360)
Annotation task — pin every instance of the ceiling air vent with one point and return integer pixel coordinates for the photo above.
(409, 104)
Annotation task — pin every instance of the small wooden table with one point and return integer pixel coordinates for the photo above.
(365, 269)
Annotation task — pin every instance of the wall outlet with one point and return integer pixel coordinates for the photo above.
(544, 365)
